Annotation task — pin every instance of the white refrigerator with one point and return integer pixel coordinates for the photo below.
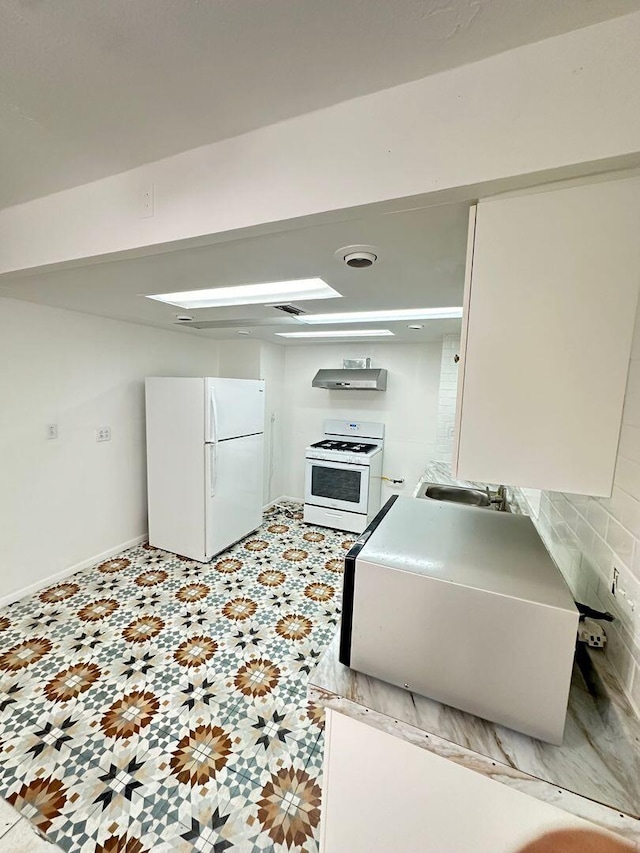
(204, 462)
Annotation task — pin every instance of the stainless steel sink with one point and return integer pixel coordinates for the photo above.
(455, 494)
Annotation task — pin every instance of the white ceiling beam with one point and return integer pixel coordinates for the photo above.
(567, 100)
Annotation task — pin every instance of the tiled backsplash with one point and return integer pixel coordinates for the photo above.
(447, 398)
(589, 537)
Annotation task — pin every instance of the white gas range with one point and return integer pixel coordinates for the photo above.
(343, 475)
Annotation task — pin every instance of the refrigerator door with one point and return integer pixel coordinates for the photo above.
(233, 491)
(234, 407)
(175, 470)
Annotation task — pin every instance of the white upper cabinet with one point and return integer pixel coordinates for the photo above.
(550, 298)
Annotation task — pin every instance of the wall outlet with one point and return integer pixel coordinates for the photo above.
(52, 431)
(592, 633)
(147, 202)
(103, 434)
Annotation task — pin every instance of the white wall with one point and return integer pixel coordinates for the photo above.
(447, 398)
(67, 501)
(272, 370)
(574, 98)
(251, 359)
(239, 359)
(408, 407)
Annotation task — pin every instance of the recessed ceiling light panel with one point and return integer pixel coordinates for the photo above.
(341, 333)
(250, 294)
(383, 316)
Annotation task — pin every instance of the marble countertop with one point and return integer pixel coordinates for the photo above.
(440, 472)
(595, 774)
(598, 763)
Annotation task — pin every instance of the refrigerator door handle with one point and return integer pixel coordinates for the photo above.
(213, 415)
(213, 468)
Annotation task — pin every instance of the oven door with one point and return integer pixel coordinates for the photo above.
(337, 485)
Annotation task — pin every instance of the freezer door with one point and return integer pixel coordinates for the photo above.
(234, 491)
(234, 407)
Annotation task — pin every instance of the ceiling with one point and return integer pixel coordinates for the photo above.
(90, 88)
(421, 264)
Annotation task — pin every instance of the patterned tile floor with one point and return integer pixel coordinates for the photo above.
(157, 704)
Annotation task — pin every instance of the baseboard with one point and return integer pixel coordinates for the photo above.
(281, 498)
(71, 570)
(92, 561)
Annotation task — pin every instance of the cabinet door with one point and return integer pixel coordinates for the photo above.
(382, 794)
(552, 286)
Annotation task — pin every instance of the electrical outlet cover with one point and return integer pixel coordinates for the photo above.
(592, 633)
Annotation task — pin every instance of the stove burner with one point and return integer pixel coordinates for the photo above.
(344, 446)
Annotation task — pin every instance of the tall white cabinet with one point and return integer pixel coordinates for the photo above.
(550, 299)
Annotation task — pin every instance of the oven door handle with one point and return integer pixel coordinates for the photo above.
(336, 465)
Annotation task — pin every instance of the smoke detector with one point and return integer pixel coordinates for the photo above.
(357, 257)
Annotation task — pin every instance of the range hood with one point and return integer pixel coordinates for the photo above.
(370, 379)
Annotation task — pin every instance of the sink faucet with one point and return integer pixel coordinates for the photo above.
(499, 497)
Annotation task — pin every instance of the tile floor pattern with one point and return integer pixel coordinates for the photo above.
(153, 703)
